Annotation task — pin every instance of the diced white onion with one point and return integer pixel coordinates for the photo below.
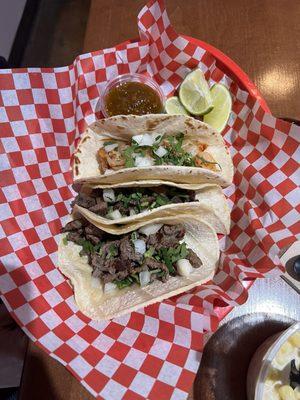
(184, 267)
(145, 139)
(286, 392)
(145, 277)
(132, 212)
(161, 151)
(295, 341)
(150, 229)
(115, 214)
(110, 287)
(284, 354)
(139, 246)
(110, 147)
(95, 283)
(141, 161)
(157, 136)
(109, 195)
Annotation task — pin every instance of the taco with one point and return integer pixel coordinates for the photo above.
(112, 208)
(173, 148)
(116, 274)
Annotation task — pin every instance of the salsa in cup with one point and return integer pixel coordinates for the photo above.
(132, 94)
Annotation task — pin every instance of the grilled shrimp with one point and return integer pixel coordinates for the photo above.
(103, 165)
(115, 159)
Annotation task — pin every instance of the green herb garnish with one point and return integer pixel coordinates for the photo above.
(149, 253)
(87, 246)
(176, 155)
(108, 143)
(123, 283)
(65, 241)
(135, 277)
(161, 200)
(170, 255)
(128, 154)
(133, 236)
(112, 251)
(97, 248)
(208, 162)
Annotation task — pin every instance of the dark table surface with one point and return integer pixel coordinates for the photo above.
(263, 38)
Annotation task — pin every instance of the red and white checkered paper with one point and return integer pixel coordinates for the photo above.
(153, 353)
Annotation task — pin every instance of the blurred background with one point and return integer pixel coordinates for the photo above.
(46, 33)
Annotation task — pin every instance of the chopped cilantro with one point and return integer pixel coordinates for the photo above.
(135, 277)
(65, 240)
(108, 143)
(97, 248)
(161, 200)
(128, 154)
(133, 236)
(170, 255)
(112, 251)
(208, 162)
(175, 155)
(87, 246)
(149, 253)
(124, 283)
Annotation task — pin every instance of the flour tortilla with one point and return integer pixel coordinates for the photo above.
(211, 207)
(88, 291)
(123, 127)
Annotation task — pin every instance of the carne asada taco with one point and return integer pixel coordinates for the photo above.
(112, 208)
(116, 274)
(174, 148)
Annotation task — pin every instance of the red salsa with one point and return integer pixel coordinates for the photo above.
(132, 98)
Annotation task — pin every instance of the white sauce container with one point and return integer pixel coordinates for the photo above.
(262, 360)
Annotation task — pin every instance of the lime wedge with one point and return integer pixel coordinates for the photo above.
(174, 107)
(222, 101)
(194, 93)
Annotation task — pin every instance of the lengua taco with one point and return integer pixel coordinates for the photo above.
(117, 210)
(116, 274)
(173, 148)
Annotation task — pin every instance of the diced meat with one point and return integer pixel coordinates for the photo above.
(194, 259)
(153, 264)
(84, 200)
(123, 210)
(116, 259)
(93, 239)
(102, 159)
(192, 195)
(174, 230)
(127, 251)
(99, 208)
(73, 225)
(74, 237)
(177, 199)
(93, 230)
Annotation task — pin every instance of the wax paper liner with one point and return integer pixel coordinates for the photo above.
(153, 353)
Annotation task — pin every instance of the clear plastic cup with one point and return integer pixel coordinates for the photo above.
(146, 80)
(262, 360)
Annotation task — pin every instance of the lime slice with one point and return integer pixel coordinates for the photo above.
(218, 117)
(194, 93)
(174, 107)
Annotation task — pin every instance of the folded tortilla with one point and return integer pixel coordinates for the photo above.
(123, 128)
(97, 305)
(210, 206)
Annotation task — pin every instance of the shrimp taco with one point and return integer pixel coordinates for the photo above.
(117, 210)
(117, 274)
(174, 148)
